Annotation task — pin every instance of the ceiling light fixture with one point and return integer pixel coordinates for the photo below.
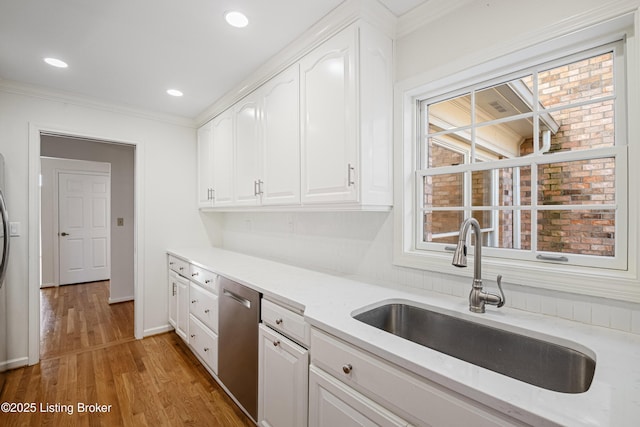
(174, 92)
(236, 19)
(56, 62)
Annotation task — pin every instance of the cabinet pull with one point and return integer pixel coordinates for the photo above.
(207, 281)
(171, 263)
(195, 274)
(193, 335)
(278, 321)
(553, 258)
(181, 268)
(350, 170)
(276, 343)
(347, 368)
(193, 301)
(206, 349)
(207, 311)
(174, 288)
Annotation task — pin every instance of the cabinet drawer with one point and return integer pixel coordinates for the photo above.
(205, 277)
(204, 343)
(204, 305)
(286, 321)
(179, 266)
(416, 399)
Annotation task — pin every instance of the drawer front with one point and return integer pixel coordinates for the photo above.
(416, 399)
(204, 343)
(179, 266)
(204, 305)
(286, 321)
(206, 278)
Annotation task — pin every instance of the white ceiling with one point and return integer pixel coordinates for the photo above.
(130, 52)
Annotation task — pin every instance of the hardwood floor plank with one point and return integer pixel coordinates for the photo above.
(89, 356)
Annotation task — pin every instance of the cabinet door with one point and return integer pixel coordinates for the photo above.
(329, 121)
(205, 166)
(282, 381)
(248, 150)
(173, 299)
(182, 312)
(332, 403)
(281, 139)
(223, 159)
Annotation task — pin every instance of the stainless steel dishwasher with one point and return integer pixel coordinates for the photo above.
(239, 315)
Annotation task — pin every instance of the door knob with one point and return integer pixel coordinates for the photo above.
(64, 234)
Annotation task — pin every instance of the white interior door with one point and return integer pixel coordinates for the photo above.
(84, 227)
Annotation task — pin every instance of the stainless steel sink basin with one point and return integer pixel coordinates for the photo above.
(532, 360)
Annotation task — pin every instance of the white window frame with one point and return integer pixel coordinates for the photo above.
(623, 284)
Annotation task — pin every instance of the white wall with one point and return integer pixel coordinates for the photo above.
(169, 215)
(361, 244)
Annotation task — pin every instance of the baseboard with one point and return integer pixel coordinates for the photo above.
(158, 330)
(121, 299)
(47, 285)
(14, 363)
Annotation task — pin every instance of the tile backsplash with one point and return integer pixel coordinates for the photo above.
(360, 244)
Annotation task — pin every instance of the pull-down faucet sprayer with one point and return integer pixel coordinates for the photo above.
(477, 298)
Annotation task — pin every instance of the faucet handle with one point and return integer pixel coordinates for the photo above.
(502, 297)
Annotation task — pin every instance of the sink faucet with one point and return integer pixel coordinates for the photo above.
(477, 298)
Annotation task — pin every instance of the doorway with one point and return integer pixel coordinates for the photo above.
(69, 159)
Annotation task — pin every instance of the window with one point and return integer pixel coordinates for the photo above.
(535, 157)
(536, 145)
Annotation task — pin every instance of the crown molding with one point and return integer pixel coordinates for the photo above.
(33, 91)
(426, 13)
(339, 18)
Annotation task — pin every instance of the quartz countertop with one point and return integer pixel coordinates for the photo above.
(328, 302)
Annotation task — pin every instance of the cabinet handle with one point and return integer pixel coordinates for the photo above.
(260, 182)
(193, 301)
(174, 288)
(193, 335)
(206, 349)
(171, 263)
(276, 343)
(255, 188)
(278, 321)
(195, 274)
(207, 281)
(207, 311)
(350, 170)
(347, 368)
(181, 268)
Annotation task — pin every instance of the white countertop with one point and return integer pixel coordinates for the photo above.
(328, 302)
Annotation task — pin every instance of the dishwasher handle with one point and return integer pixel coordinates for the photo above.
(237, 298)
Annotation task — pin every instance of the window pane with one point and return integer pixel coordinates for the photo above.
(584, 127)
(508, 229)
(584, 80)
(584, 182)
(442, 154)
(513, 187)
(450, 114)
(585, 232)
(445, 190)
(442, 226)
(504, 140)
(504, 100)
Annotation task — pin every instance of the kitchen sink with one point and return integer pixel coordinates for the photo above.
(532, 360)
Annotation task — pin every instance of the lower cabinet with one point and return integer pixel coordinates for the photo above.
(332, 403)
(204, 342)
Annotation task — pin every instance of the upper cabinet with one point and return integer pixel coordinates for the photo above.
(222, 161)
(316, 136)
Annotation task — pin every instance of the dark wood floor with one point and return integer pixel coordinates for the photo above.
(89, 356)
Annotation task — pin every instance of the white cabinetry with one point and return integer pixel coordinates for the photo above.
(205, 166)
(179, 296)
(346, 113)
(282, 368)
(415, 399)
(222, 160)
(248, 150)
(280, 177)
(203, 316)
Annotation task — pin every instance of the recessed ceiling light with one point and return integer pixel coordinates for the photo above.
(56, 62)
(174, 92)
(236, 19)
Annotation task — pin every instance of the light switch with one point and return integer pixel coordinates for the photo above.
(120, 222)
(14, 229)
